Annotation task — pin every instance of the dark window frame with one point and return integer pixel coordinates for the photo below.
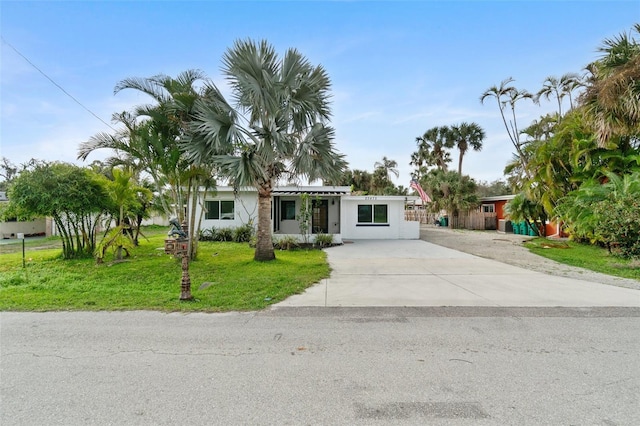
(285, 210)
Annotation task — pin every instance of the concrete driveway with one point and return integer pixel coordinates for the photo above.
(418, 273)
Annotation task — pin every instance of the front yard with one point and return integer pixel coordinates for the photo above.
(150, 279)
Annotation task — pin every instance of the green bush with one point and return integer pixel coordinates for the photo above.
(619, 225)
(223, 234)
(286, 243)
(207, 234)
(324, 240)
(243, 234)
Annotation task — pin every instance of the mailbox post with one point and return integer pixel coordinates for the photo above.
(178, 246)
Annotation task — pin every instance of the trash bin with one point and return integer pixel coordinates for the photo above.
(445, 221)
(516, 227)
(532, 228)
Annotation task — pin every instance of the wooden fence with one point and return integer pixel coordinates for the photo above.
(421, 216)
(470, 220)
(475, 220)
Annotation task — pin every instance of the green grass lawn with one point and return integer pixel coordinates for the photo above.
(150, 279)
(585, 256)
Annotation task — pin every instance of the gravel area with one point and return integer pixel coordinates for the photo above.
(508, 248)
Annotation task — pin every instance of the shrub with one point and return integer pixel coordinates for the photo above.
(324, 240)
(243, 234)
(619, 225)
(286, 243)
(207, 234)
(223, 234)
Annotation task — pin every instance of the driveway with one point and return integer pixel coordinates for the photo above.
(419, 273)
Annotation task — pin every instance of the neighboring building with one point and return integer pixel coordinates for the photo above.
(496, 205)
(334, 212)
(11, 228)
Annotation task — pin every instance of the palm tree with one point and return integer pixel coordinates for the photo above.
(450, 192)
(277, 130)
(389, 166)
(551, 86)
(569, 82)
(465, 136)
(612, 97)
(362, 181)
(148, 138)
(432, 148)
(506, 95)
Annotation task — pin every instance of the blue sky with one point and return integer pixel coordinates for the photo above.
(397, 68)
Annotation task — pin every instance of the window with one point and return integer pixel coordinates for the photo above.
(488, 208)
(288, 210)
(372, 213)
(364, 213)
(220, 210)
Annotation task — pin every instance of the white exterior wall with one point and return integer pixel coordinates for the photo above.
(245, 208)
(32, 227)
(290, 226)
(396, 228)
(342, 215)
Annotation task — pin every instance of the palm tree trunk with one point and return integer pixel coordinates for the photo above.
(193, 226)
(460, 163)
(264, 244)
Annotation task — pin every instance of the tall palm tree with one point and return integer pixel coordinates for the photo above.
(612, 97)
(277, 130)
(465, 136)
(149, 137)
(433, 146)
(389, 166)
(569, 82)
(552, 86)
(507, 96)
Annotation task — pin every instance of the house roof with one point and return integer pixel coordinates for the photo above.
(382, 198)
(498, 198)
(291, 190)
(312, 190)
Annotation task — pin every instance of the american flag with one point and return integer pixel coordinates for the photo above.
(415, 185)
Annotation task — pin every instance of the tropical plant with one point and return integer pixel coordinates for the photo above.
(569, 83)
(75, 198)
(552, 87)
(612, 96)
(287, 242)
(607, 213)
(389, 167)
(450, 192)
(508, 96)
(466, 136)
(148, 140)
(277, 131)
(304, 216)
(323, 240)
(243, 233)
(523, 209)
(433, 148)
(128, 199)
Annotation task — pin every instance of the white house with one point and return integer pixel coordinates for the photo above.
(334, 211)
(12, 228)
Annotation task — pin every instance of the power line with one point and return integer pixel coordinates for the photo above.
(56, 84)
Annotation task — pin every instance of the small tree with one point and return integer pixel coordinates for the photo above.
(73, 197)
(450, 192)
(304, 216)
(522, 209)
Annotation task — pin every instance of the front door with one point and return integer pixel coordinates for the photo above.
(320, 219)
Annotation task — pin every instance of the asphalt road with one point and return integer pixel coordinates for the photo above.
(330, 366)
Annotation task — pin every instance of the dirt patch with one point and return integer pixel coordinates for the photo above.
(508, 248)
